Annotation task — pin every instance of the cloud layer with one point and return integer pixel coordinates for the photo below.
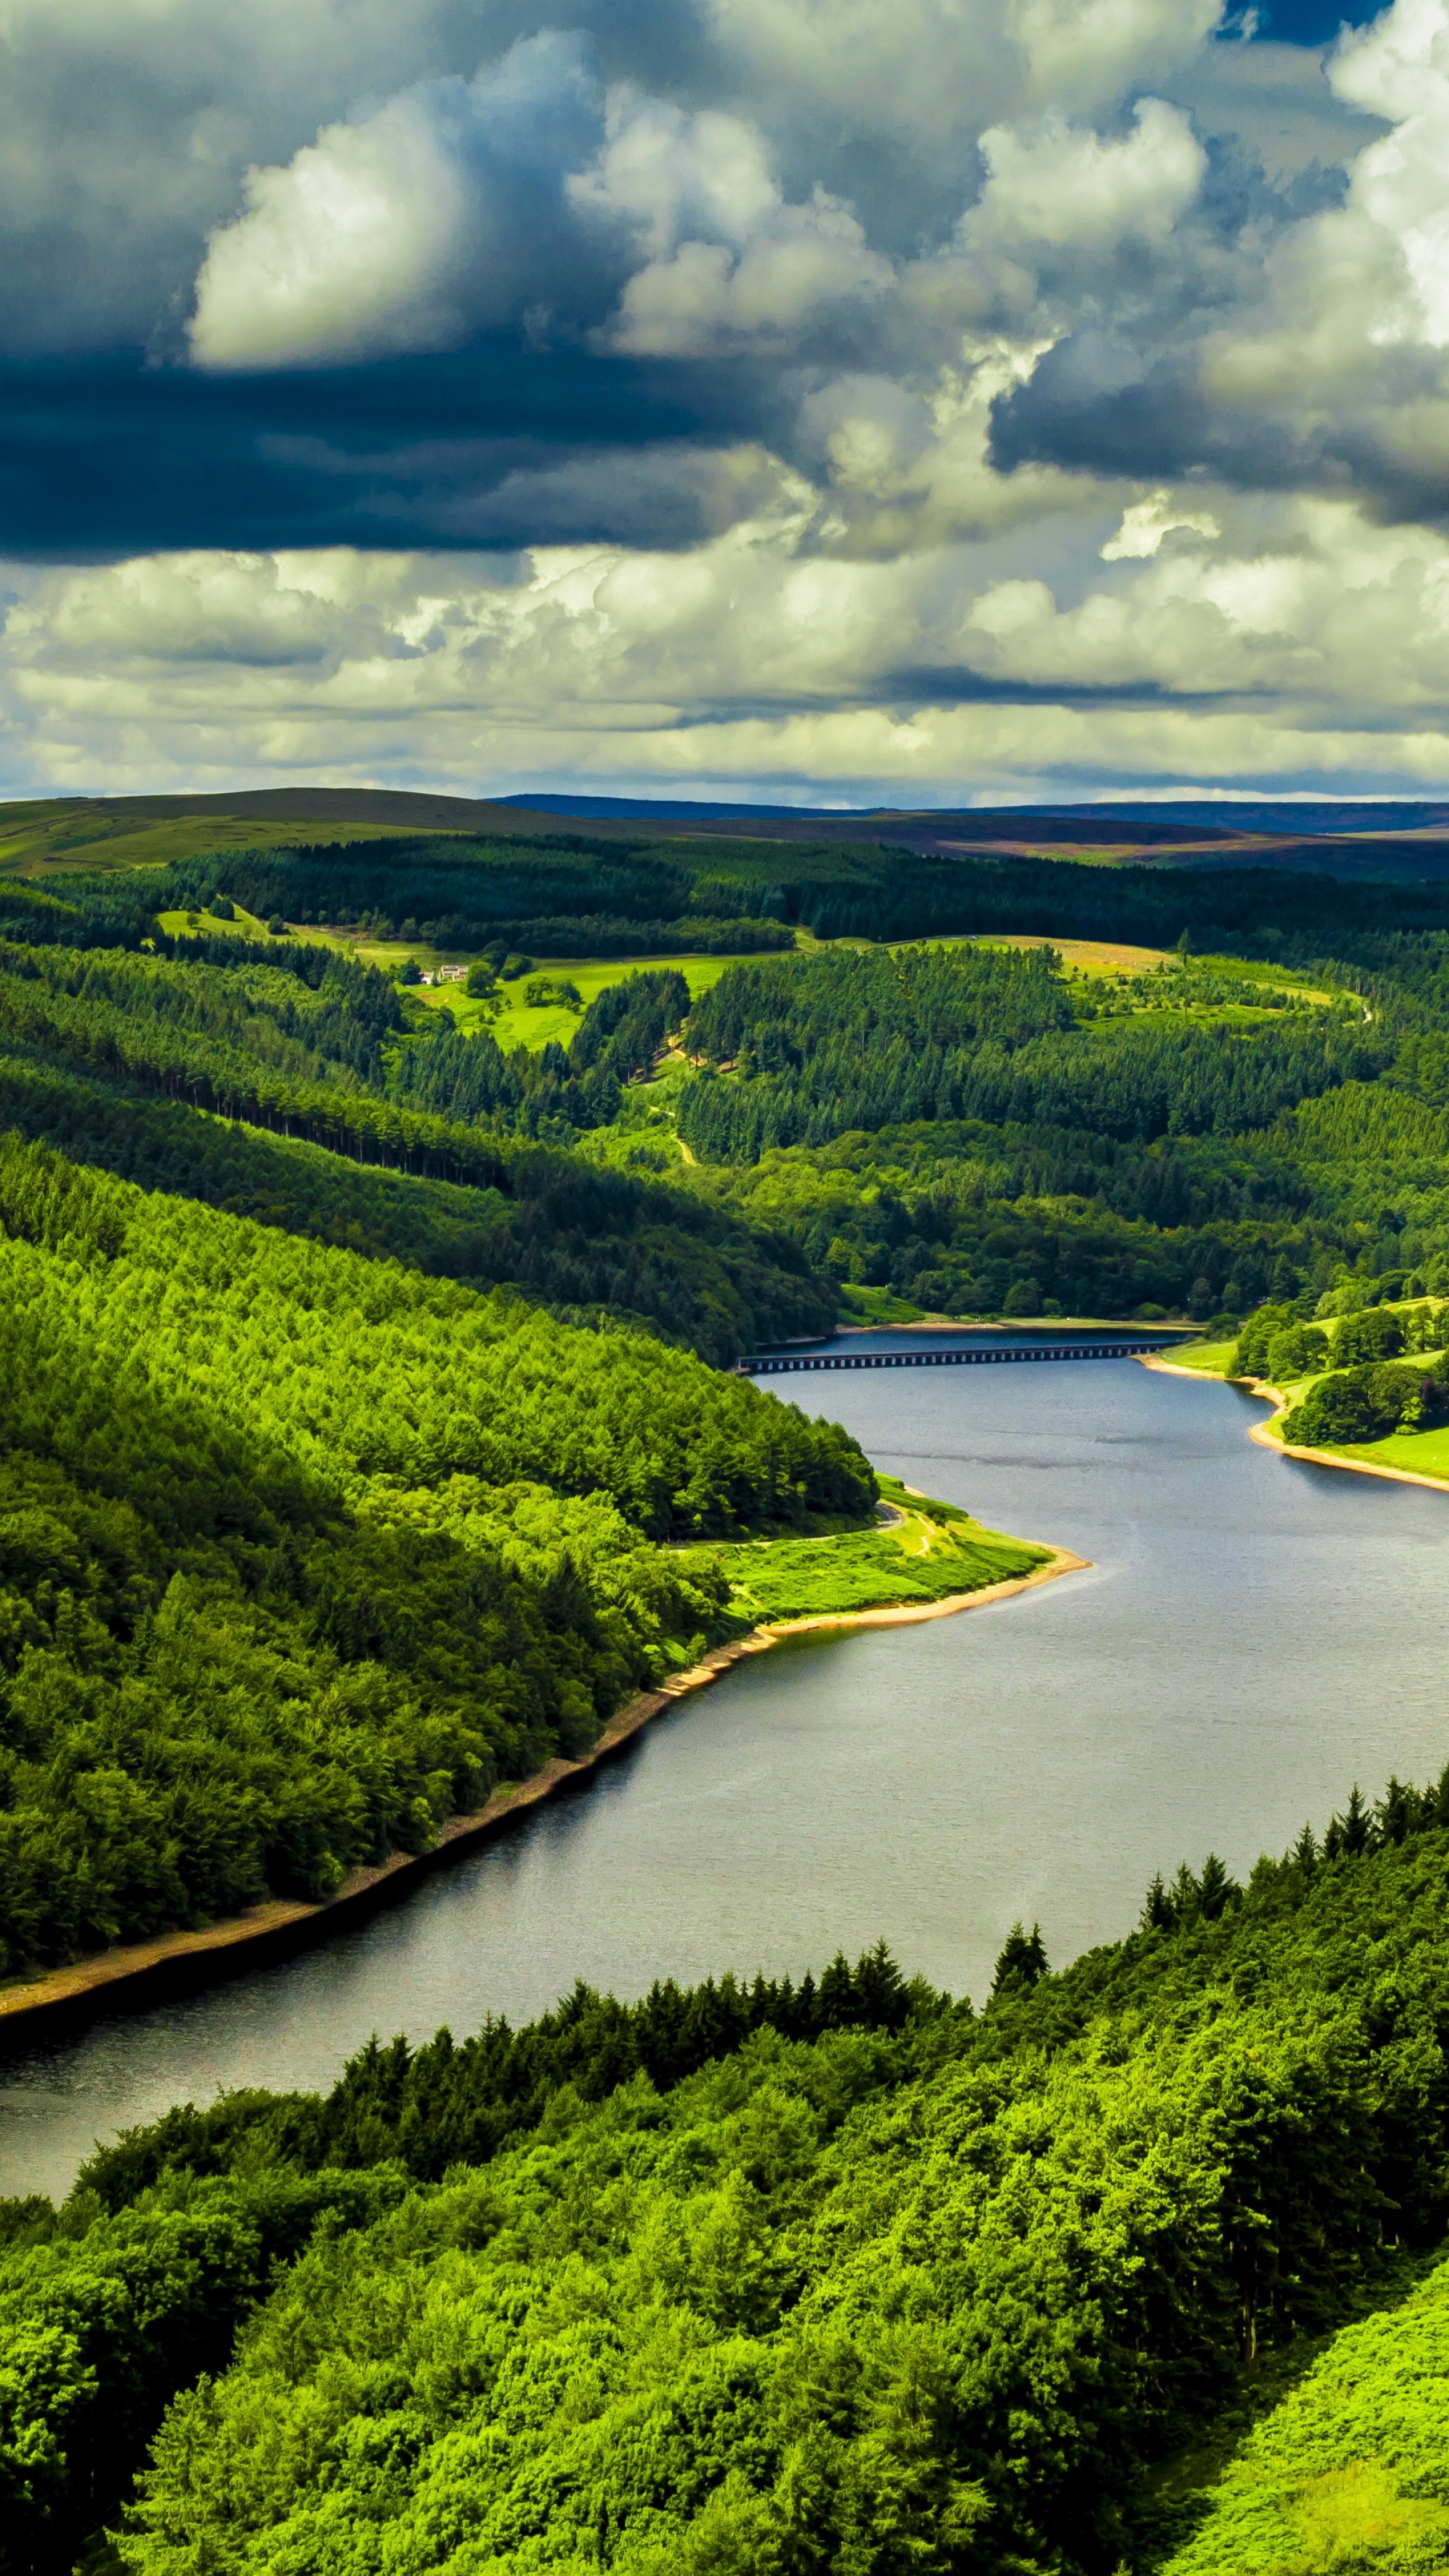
(940, 400)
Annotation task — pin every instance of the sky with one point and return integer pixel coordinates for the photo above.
(830, 401)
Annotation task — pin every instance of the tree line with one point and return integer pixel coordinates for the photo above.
(464, 891)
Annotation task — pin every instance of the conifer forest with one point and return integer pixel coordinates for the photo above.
(383, 1223)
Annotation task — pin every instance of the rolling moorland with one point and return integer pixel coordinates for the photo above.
(371, 1434)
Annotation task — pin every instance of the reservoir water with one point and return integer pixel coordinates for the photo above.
(1253, 1636)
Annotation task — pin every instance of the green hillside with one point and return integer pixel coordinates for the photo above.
(760, 2277)
(842, 1111)
(1351, 2470)
(302, 1552)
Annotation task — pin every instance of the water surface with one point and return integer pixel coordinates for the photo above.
(1253, 1636)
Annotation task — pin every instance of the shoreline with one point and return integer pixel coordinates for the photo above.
(139, 1973)
(1262, 1432)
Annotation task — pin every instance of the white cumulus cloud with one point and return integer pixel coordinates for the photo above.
(727, 261)
(801, 265)
(1085, 53)
(1297, 641)
(1059, 187)
(1355, 292)
(407, 230)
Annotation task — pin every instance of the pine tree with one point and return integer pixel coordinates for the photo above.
(1187, 1895)
(880, 1990)
(1217, 1890)
(1159, 1910)
(1023, 1962)
(835, 2008)
(1357, 1824)
(1397, 1813)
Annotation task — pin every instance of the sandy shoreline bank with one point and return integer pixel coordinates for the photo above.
(1262, 1432)
(144, 1972)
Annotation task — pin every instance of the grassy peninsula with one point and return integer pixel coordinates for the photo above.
(926, 1552)
(1365, 1380)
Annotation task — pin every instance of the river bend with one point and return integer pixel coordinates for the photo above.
(1253, 1636)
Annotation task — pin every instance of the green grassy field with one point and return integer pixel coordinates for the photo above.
(247, 925)
(512, 1025)
(1131, 976)
(931, 1552)
(516, 1025)
(1424, 1453)
(862, 1305)
(1209, 1358)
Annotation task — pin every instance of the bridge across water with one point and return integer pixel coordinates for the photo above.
(968, 1355)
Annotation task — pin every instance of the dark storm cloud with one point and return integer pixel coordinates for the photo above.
(126, 140)
(1099, 406)
(614, 258)
(101, 459)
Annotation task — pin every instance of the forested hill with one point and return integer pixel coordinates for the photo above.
(111, 1053)
(302, 1552)
(763, 2279)
(1090, 1143)
(945, 1034)
(976, 1130)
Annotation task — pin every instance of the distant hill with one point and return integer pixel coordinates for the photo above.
(1215, 817)
(146, 831)
(1294, 818)
(1406, 843)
